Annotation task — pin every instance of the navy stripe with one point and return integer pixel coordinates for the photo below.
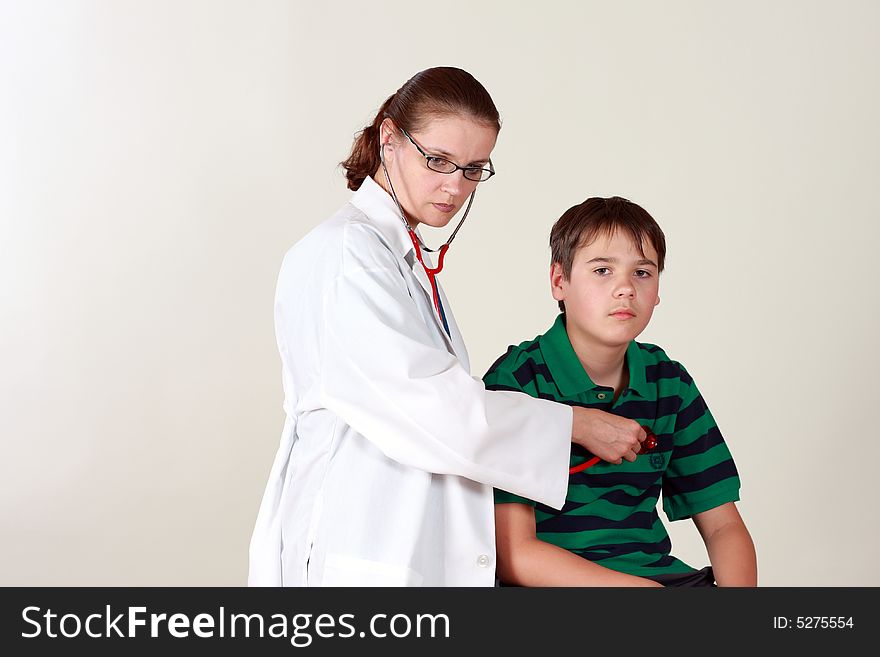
(662, 562)
(599, 552)
(640, 480)
(638, 408)
(572, 524)
(529, 371)
(668, 369)
(693, 412)
(614, 496)
(681, 485)
(701, 445)
(617, 497)
(686, 378)
(664, 370)
(623, 498)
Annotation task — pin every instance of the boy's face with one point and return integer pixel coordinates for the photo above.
(612, 291)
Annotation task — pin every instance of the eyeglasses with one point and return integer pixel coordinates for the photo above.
(442, 165)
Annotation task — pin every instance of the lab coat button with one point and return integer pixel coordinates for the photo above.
(483, 560)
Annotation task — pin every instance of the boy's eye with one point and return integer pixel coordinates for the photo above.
(641, 273)
(602, 271)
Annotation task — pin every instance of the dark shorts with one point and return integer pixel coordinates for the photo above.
(704, 577)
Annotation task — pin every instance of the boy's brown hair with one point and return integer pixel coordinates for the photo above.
(582, 224)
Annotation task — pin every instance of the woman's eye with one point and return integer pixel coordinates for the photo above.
(440, 164)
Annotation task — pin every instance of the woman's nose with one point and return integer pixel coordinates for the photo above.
(452, 183)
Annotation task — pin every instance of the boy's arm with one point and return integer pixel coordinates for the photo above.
(525, 560)
(729, 544)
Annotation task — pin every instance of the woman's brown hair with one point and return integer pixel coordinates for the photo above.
(434, 92)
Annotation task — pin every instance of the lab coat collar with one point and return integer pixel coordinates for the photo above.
(378, 205)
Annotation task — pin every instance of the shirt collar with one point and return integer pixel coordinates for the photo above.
(377, 204)
(566, 368)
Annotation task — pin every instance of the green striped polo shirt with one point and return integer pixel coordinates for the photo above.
(610, 513)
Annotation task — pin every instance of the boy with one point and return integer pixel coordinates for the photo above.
(607, 255)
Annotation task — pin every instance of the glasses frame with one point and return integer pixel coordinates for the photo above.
(464, 170)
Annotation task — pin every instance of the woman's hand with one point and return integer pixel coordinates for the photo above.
(610, 437)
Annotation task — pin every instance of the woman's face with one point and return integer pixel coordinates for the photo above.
(427, 196)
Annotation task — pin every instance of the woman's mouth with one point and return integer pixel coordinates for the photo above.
(444, 207)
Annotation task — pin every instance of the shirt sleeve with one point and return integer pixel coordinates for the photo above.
(701, 474)
(384, 375)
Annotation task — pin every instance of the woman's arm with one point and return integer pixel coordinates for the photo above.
(525, 560)
(729, 544)
(383, 373)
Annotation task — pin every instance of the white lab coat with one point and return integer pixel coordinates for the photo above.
(390, 448)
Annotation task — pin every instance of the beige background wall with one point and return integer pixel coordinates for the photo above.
(158, 158)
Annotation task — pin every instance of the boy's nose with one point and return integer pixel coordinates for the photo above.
(625, 291)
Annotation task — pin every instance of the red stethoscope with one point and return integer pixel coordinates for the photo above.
(432, 271)
(419, 246)
(648, 444)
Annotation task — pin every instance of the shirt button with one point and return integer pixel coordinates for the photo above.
(601, 395)
(483, 560)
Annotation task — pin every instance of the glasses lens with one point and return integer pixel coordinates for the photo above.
(477, 175)
(439, 164)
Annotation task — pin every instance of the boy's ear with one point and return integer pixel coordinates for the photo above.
(557, 277)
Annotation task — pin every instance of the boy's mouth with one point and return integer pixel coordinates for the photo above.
(622, 313)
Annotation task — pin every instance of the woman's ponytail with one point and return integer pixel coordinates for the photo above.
(364, 159)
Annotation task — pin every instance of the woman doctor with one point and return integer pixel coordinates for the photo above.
(390, 448)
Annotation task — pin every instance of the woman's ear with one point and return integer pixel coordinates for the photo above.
(387, 130)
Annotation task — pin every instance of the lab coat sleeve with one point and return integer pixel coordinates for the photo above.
(385, 377)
